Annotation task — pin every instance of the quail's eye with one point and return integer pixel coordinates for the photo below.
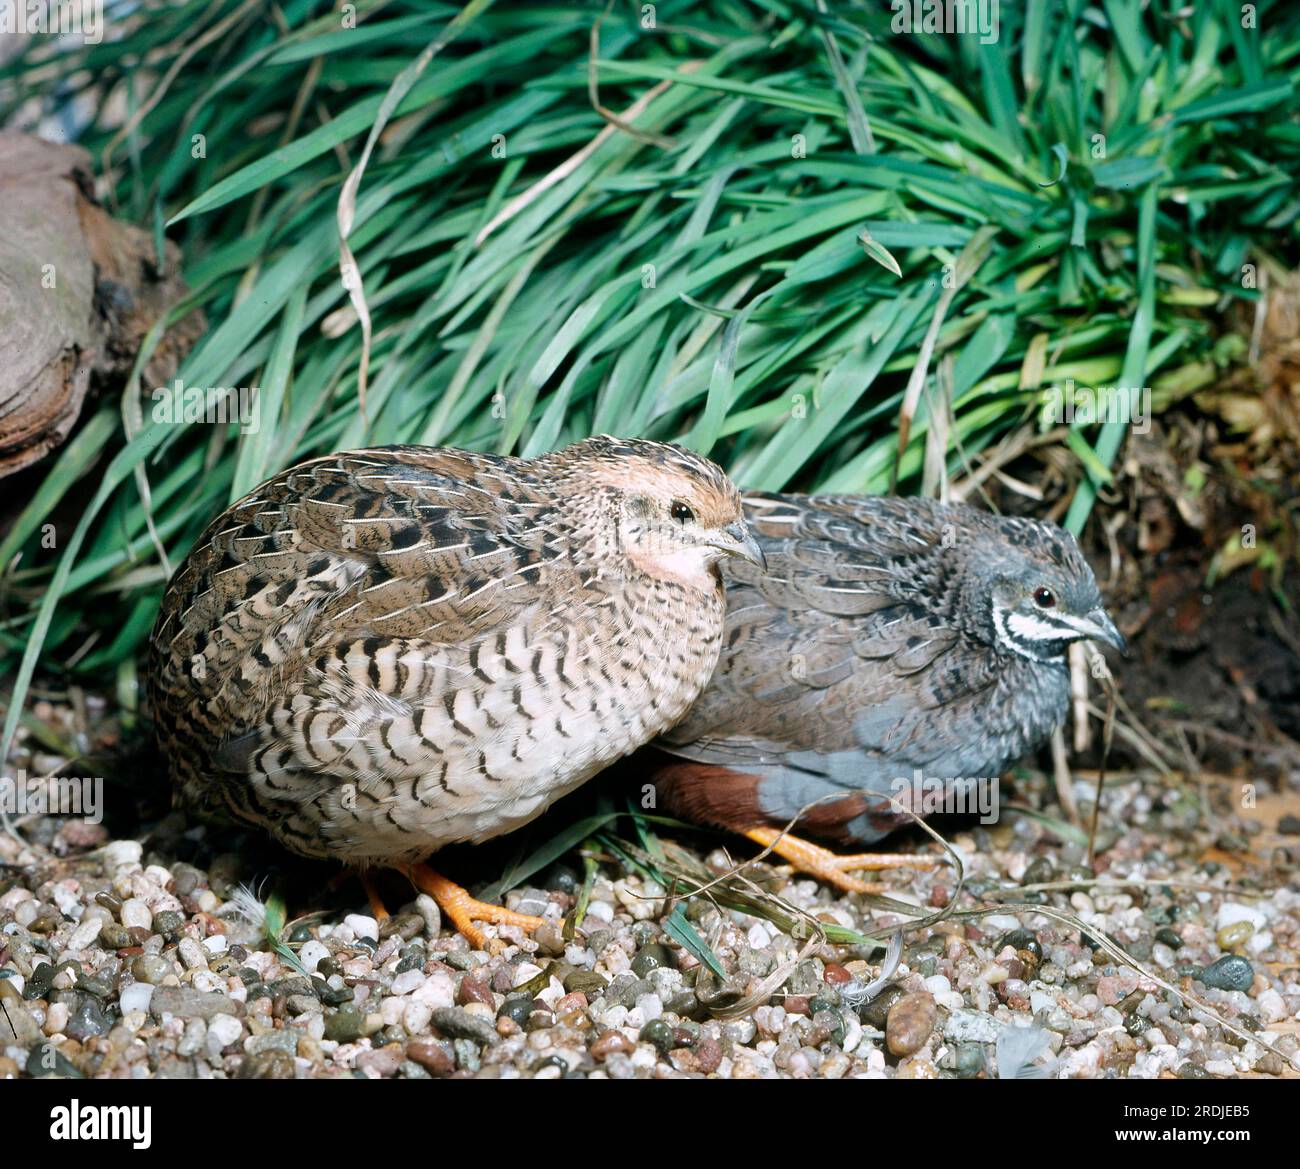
(1044, 598)
(681, 512)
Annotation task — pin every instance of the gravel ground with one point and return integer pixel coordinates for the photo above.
(118, 960)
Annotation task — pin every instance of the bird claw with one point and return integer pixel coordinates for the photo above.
(463, 910)
(831, 867)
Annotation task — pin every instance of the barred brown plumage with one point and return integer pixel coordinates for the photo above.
(381, 652)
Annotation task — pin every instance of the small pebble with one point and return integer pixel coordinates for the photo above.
(362, 926)
(431, 1056)
(458, 1023)
(1234, 935)
(651, 957)
(909, 1024)
(1231, 972)
(136, 914)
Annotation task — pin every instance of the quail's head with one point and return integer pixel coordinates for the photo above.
(1038, 592)
(672, 513)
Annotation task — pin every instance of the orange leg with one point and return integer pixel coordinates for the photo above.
(462, 909)
(831, 867)
(377, 907)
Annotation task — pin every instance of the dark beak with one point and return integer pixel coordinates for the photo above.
(1102, 628)
(739, 541)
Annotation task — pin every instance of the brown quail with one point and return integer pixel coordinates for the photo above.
(888, 638)
(381, 652)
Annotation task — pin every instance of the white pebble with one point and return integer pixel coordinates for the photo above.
(223, 1030)
(526, 972)
(938, 984)
(1084, 1062)
(216, 944)
(650, 1006)
(261, 961)
(551, 993)
(192, 954)
(205, 980)
(852, 1032)
(158, 875)
(665, 982)
(416, 1016)
(1260, 941)
(428, 909)
(1271, 1005)
(119, 854)
(362, 926)
(757, 936)
(407, 981)
(56, 1018)
(645, 1056)
(1231, 912)
(135, 997)
(15, 897)
(311, 954)
(438, 991)
(85, 934)
(600, 911)
(642, 903)
(615, 1016)
(66, 899)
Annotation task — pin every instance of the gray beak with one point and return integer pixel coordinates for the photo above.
(1099, 626)
(740, 542)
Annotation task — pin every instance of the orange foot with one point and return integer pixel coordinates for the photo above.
(378, 910)
(831, 867)
(463, 910)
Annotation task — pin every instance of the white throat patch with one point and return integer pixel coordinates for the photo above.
(691, 566)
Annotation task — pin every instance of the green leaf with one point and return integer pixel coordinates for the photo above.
(681, 931)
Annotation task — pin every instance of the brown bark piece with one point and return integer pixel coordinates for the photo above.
(78, 292)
